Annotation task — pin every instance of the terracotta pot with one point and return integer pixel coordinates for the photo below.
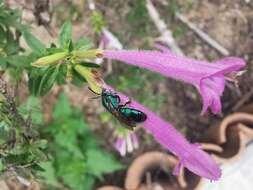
(153, 169)
(109, 188)
(219, 135)
(211, 148)
(232, 135)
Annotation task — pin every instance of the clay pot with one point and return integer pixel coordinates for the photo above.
(232, 135)
(153, 170)
(109, 188)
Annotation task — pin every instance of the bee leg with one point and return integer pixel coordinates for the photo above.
(126, 103)
(129, 128)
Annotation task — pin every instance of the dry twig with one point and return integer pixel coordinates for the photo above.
(203, 35)
(243, 100)
(213, 43)
(166, 35)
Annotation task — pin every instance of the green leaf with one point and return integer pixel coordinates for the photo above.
(65, 35)
(12, 45)
(48, 174)
(61, 78)
(48, 80)
(83, 44)
(69, 143)
(88, 183)
(3, 62)
(2, 34)
(72, 171)
(99, 163)
(32, 107)
(70, 46)
(1, 165)
(92, 65)
(35, 77)
(21, 61)
(37, 154)
(42, 144)
(77, 79)
(62, 108)
(36, 45)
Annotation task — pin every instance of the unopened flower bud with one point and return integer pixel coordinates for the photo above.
(50, 59)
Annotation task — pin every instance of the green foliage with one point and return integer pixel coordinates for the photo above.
(10, 28)
(32, 108)
(138, 17)
(173, 7)
(65, 35)
(83, 44)
(20, 146)
(48, 173)
(76, 157)
(52, 62)
(42, 80)
(97, 21)
(10, 32)
(36, 45)
(48, 79)
(99, 162)
(55, 63)
(52, 59)
(180, 31)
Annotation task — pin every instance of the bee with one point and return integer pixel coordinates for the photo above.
(128, 116)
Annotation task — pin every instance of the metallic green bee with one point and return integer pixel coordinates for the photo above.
(129, 116)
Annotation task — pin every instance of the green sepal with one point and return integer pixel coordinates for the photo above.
(90, 76)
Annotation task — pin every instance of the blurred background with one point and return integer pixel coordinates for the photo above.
(77, 135)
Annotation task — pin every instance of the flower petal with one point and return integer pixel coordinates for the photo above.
(120, 146)
(191, 156)
(134, 140)
(178, 168)
(129, 143)
(207, 77)
(109, 40)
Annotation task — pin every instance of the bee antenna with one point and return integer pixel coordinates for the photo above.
(94, 98)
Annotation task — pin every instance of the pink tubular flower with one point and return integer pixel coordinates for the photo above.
(190, 155)
(120, 146)
(109, 41)
(208, 78)
(127, 143)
